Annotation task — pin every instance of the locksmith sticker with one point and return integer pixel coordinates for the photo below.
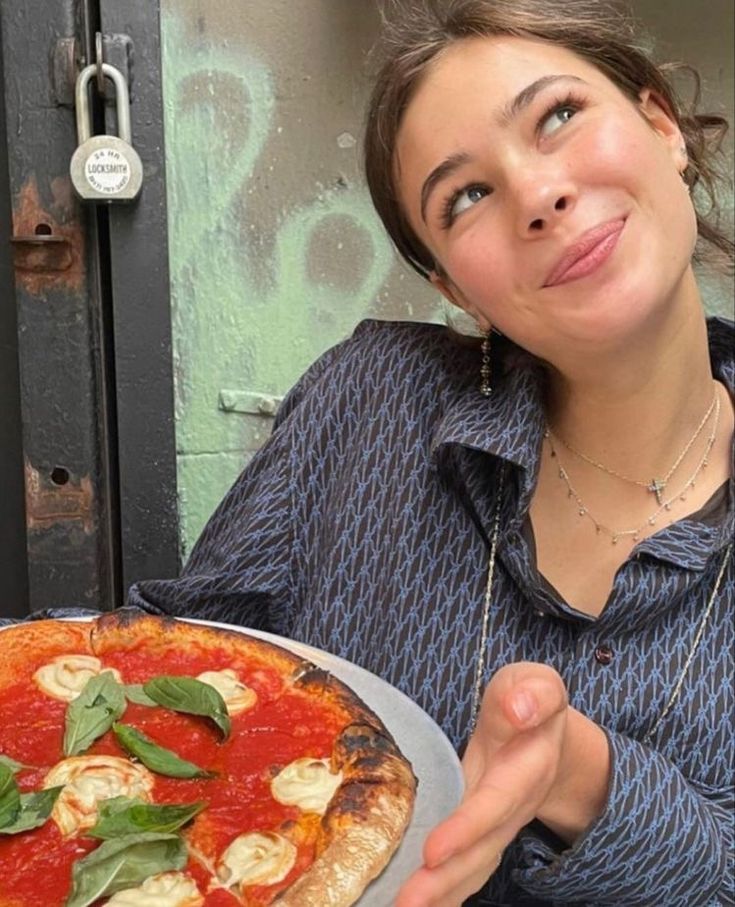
(107, 170)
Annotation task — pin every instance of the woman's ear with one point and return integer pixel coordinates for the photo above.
(454, 295)
(661, 119)
(441, 282)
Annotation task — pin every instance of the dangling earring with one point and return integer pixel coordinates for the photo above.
(485, 386)
(682, 173)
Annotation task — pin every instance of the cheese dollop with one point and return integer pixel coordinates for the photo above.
(66, 675)
(256, 858)
(89, 779)
(167, 889)
(238, 697)
(306, 783)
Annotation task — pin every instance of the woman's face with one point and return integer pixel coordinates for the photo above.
(552, 203)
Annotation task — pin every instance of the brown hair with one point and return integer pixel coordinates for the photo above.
(416, 32)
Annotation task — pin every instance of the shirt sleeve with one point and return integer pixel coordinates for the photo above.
(241, 569)
(661, 840)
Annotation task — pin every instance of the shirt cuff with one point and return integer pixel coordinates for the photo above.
(657, 841)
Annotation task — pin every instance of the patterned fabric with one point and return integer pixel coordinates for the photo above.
(362, 528)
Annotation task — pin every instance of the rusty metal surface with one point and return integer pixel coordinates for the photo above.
(13, 558)
(48, 248)
(58, 319)
(50, 501)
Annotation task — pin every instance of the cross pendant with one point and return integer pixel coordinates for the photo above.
(656, 488)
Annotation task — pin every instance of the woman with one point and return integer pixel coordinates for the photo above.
(533, 540)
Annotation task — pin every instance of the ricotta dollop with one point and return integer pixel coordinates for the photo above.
(167, 889)
(65, 676)
(237, 696)
(87, 780)
(307, 783)
(256, 858)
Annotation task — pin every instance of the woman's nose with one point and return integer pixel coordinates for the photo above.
(542, 203)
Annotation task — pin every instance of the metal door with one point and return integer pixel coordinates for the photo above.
(93, 379)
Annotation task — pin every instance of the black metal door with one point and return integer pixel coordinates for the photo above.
(92, 308)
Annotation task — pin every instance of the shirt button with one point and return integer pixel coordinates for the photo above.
(604, 655)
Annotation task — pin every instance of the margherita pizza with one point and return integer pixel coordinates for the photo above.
(149, 762)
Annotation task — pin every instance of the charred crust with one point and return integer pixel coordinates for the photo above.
(127, 621)
(311, 678)
(369, 756)
(352, 799)
(360, 739)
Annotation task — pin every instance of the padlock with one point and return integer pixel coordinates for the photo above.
(105, 168)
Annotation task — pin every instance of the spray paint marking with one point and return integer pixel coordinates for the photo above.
(230, 329)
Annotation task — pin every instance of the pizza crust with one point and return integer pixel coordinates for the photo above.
(365, 821)
(44, 640)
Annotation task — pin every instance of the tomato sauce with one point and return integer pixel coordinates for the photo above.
(31, 725)
(35, 866)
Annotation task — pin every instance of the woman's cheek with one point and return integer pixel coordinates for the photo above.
(479, 266)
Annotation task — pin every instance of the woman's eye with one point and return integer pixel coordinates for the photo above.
(557, 118)
(466, 198)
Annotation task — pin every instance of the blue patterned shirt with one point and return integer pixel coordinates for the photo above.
(362, 527)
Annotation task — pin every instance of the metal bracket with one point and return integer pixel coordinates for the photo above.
(68, 61)
(253, 403)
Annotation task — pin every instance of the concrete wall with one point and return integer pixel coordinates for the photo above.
(275, 252)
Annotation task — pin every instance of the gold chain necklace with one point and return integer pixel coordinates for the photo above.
(617, 534)
(655, 486)
(485, 624)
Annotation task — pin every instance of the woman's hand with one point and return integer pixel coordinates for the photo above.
(512, 764)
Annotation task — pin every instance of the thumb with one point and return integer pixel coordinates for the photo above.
(519, 697)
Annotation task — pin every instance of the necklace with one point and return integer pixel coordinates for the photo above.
(484, 627)
(617, 534)
(655, 486)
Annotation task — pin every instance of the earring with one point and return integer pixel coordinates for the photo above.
(485, 386)
(683, 152)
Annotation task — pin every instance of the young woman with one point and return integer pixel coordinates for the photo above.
(531, 539)
(538, 171)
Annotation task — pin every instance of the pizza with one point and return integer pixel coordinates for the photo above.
(150, 762)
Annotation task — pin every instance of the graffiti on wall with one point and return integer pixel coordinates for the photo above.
(249, 312)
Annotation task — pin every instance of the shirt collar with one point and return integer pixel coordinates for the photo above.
(509, 424)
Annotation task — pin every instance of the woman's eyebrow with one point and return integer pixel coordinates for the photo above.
(527, 95)
(443, 170)
(505, 117)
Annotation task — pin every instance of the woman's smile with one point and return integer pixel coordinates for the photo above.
(587, 254)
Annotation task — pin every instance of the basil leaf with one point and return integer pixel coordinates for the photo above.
(156, 758)
(124, 863)
(124, 816)
(12, 764)
(9, 797)
(186, 694)
(101, 702)
(35, 808)
(134, 693)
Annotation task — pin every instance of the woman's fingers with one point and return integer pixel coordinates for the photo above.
(508, 769)
(515, 782)
(486, 810)
(510, 763)
(456, 879)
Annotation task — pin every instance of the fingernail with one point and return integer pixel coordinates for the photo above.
(524, 707)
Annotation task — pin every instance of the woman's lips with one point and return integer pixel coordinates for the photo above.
(587, 254)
